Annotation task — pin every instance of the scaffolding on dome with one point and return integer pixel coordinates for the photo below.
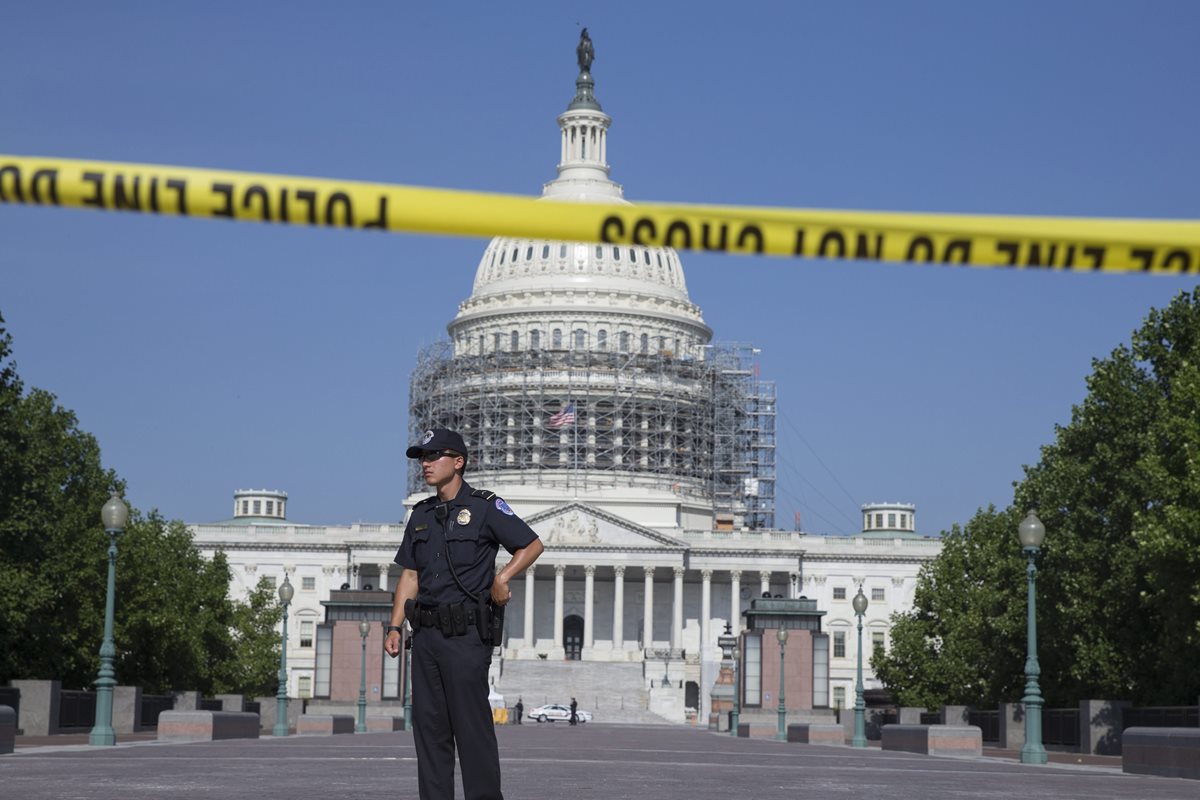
(576, 419)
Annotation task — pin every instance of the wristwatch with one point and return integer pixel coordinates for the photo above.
(388, 629)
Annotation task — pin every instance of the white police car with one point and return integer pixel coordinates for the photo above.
(554, 712)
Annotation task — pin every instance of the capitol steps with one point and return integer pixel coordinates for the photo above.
(611, 692)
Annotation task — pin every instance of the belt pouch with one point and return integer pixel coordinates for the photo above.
(496, 616)
(458, 616)
(443, 614)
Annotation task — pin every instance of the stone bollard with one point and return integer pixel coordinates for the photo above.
(206, 726)
(186, 701)
(324, 724)
(8, 729)
(934, 740)
(815, 733)
(126, 709)
(1168, 752)
(1012, 726)
(39, 706)
(1100, 726)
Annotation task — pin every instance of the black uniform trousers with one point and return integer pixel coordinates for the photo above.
(450, 706)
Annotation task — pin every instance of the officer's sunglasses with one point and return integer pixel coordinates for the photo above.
(434, 455)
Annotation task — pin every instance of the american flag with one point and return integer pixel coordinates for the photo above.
(564, 417)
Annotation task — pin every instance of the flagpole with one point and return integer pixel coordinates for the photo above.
(575, 430)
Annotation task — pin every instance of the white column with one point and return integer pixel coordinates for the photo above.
(677, 609)
(383, 576)
(764, 582)
(705, 608)
(648, 613)
(529, 582)
(562, 156)
(618, 632)
(559, 569)
(589, 597)
(794, 585)
(735, 600)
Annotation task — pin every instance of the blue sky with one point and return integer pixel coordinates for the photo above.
(208, 356)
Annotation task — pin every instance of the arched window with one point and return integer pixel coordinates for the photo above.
(645, 343)
(580, 338)
(616, 253)
(496, 342)
(562, 251)
(502, 254)
(556, 339)
(624, 341)
(535, 340)
(545, 251)
(515, 338)
(602, 339)
(529, 252)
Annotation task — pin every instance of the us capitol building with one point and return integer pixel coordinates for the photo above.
(594, 399)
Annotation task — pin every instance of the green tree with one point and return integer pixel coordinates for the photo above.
(1119, 573)
(959, 645)
(52, 546)
(253, 669)
(175, 625)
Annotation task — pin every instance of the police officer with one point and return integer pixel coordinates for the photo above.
(450, 594)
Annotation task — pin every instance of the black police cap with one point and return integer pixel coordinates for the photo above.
(438, 439)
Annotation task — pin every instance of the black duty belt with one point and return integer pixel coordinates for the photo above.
(452, 619)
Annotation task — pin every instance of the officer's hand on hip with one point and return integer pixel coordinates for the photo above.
(391, 645)
(501, 594)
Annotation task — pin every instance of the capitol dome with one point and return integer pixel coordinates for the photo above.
(619, 297)
(581, 370)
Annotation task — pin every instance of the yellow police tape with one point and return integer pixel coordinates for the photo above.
(1109, 245)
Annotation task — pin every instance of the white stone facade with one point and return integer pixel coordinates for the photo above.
(637, 564)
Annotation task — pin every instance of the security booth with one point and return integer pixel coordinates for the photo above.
(340, 655)
(801, 652)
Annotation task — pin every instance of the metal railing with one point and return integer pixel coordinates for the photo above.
(1060, 726)
(152, 706)
(931, 718)
(1161, 717)
(988, 722)
(76, 709)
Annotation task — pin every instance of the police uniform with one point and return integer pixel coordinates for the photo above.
(450, 654)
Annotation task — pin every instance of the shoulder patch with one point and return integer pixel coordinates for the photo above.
(503, 506)
(484, 493)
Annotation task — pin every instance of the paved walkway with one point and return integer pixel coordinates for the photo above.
(549, 762)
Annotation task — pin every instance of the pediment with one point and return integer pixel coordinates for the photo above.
(579, 526)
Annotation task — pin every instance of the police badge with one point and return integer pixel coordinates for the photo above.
(464, 517)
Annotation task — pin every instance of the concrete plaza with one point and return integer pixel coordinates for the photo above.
(545, 762)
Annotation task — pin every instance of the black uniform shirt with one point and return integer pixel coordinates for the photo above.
(475, 525)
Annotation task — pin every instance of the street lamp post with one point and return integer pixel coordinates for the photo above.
(1031, 533)
(114, 515)
(281, 698)
(737, 691)
(860, 707)
(364, 629)
(781, 734)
